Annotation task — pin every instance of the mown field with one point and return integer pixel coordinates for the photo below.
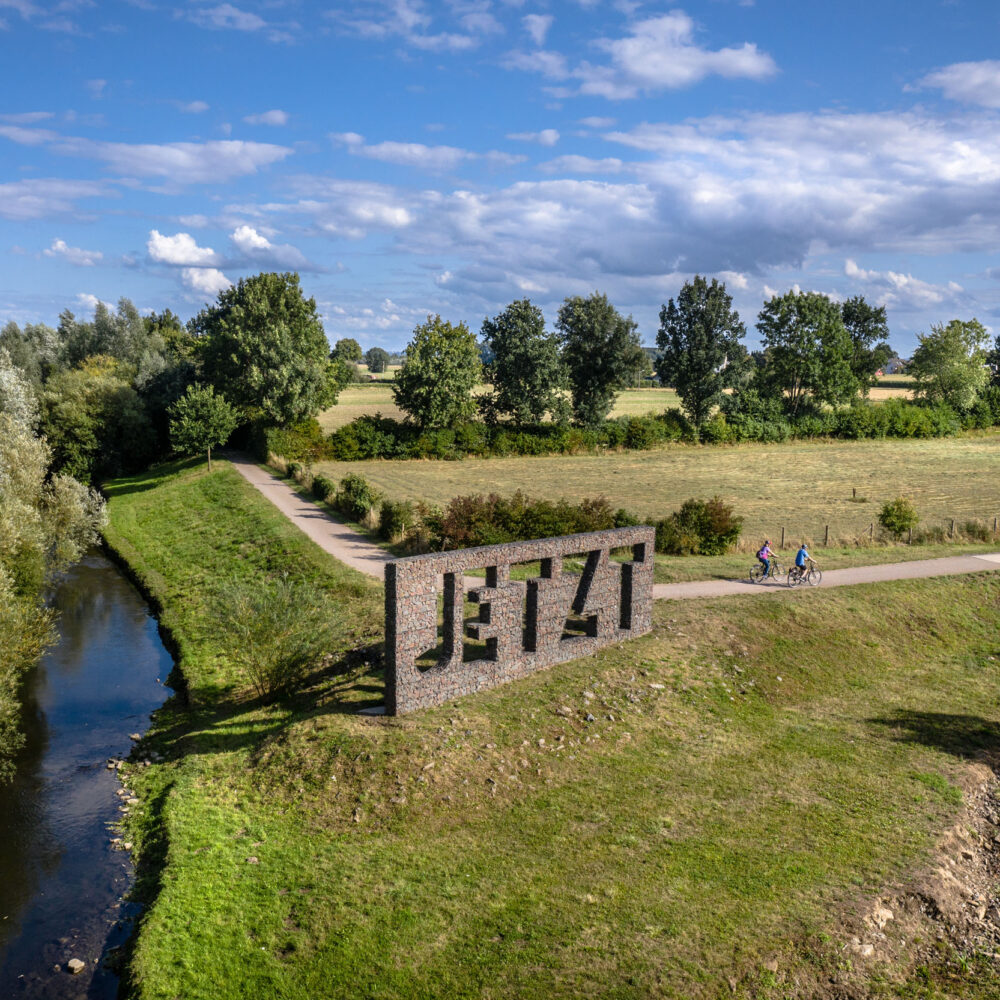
(801, 485)
(359, 400)
(757, 775)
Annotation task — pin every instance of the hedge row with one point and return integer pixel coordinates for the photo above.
(376, 436)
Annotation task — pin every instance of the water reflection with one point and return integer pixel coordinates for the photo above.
(60, 882)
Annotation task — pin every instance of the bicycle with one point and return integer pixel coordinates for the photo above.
(813, 576)
(757, 571)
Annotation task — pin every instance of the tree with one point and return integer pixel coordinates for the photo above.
(993, 363)
(949, 363)
(95, 421)
(377, 360)
(808, 351)
(868, 329)
(601, 351)
(440, 369)
(347, 349)
(200, 421)
(265, 349)
(525, 370)
(700, 349)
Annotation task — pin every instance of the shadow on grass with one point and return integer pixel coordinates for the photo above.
(961, 735)
(228, 724)
(150, 479)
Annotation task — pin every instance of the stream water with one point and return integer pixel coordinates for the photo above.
(61, 880)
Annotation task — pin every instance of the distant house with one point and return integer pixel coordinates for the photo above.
(894, 366)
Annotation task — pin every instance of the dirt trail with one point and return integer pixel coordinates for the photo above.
(349, 547)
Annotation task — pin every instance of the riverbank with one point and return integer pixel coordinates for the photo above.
(63, 873)
(757, 776)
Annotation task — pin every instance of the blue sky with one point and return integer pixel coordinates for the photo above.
(410, 158)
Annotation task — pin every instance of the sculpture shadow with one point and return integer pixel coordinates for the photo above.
(961, 735)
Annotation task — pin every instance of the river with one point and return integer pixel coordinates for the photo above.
(62, 882)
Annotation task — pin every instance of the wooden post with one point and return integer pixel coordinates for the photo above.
(951, 532)
(909, 537)
(854, 492)
(782, 545)
(826, 536)
(994, 526)
(871, 532)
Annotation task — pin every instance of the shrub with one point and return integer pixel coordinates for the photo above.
(898, 516)
(302, 442)
(294, 470)
(492, 520)
(276, 631)
(706, 527)
(356, 497)
(323, 487)
(396, 518)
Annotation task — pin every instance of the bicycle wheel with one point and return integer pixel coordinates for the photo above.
(815, 577)
(756, 574)
(793, 578)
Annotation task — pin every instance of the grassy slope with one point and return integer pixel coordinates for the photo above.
(800, 756)
(803, 485)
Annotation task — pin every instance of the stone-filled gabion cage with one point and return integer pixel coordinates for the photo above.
(433, 654)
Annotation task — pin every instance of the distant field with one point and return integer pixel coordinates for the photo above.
(357, 400)
(892, 386)
(802, 485)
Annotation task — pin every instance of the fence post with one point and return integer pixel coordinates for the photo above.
(854, 492)
(994, 526)
(909, 537)
(826, 536)
(782, 545)
(871, 532)
(951, 532)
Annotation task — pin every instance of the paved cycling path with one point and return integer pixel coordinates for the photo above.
(351, 548)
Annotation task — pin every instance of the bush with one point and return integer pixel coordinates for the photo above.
(322, 487)
(276, 631)
(302, 442)
(898, 516)
(356, 497)
(396, 518)
(492, 520)
(700, 527)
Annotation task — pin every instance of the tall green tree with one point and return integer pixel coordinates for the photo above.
(377, 360)
(200, 421)
(440, 369)
(700, 350)
(265, 350)
(949, 363)
(807, 351)
(347, 349)
(525, 370)
(868, 328)
(602, 354)
(993, 362)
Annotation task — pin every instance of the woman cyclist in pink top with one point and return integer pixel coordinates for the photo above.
(765, 557)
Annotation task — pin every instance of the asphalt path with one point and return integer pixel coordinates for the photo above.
(350, 548)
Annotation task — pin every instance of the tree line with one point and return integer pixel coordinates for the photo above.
(815, 354)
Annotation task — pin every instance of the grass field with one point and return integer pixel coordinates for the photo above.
(358, 400)
(801, 485)
(758, 774)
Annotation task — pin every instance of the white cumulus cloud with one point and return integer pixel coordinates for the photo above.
(969, 82)
(537, 26)
(546, 137)
(255, 246)
(178, 250)
(207, 281)
(273, 117)
(82, 258)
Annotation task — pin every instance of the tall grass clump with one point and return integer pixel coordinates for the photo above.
(275, 631)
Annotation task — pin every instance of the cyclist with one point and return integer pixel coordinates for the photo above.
(764, 556)
(801, 558)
